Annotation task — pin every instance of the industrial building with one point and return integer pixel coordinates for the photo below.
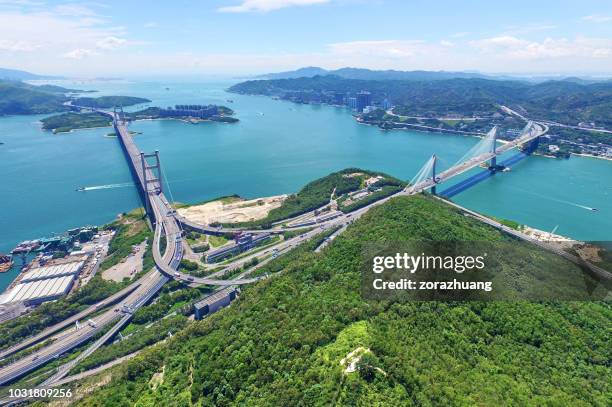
(39, 291)
(243, 243)
(214, 302)
(45, 283)
(57, 270)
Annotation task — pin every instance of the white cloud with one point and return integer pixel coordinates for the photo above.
(597, 18)
(66, 31)
(516, 48)
(79, 53)
(384, 48)
(267, 5)
(6, 45)
(111, 43)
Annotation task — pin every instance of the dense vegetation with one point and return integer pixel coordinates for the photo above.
(153, 112)
(145, 337)
(70, 121)
(564, 101)
(283, 341)
(318, 193)
(104, 102)
(22, 98)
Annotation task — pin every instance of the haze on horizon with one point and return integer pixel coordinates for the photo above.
(243, 37)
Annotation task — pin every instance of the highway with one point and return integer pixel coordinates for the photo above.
(63, 324)
(73, 337)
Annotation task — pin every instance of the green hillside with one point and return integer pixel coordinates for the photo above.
(21, 98)
(283, 342)
(565, 101)
(104, 102)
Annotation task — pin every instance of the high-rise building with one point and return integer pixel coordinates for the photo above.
(352, 103)
(386, 104)
(339, 98)
(364, 99)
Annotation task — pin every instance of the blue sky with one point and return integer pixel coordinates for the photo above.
(236, 37)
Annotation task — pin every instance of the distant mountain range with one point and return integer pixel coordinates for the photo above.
(369, 74)
(17, 75)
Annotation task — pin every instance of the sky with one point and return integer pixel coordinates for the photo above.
(243, 37)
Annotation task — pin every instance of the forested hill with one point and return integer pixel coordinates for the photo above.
(283, 342)
(566, 101)
(22, 98)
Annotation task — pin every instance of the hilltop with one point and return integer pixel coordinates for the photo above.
(307, 337)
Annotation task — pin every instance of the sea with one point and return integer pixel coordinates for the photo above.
(275, 148)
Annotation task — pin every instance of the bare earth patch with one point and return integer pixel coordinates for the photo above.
(129, 267)
(232, 212)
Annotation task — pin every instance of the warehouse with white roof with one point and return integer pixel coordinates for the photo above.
(45, 283)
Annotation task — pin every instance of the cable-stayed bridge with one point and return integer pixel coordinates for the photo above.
(485, 151)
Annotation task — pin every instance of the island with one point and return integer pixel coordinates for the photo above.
(69, 121)
(188, 113)
(65, 122)
(105, 102)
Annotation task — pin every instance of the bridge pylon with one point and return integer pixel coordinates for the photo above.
(147, 180)
(118, 113)
(493, 162)
(433, 173)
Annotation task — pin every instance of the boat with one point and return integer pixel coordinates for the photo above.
(79, 189)
(6, 262)
(594, 209)
(229, 101)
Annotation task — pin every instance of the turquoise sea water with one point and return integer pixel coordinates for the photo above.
(275, 148)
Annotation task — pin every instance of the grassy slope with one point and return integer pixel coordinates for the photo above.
(282, 342)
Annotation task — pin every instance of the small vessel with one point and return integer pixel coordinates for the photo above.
(5, 263)
(167, 88)
(229, 101)
(507, 169)
(594, 209)
(80, 189)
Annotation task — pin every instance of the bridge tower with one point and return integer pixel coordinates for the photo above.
(532, 145)
(157, 178)
(493, 162)
(118, 112)
(433, 173)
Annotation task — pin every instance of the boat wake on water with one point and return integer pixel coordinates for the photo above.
(108, 186)
(588, 208)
